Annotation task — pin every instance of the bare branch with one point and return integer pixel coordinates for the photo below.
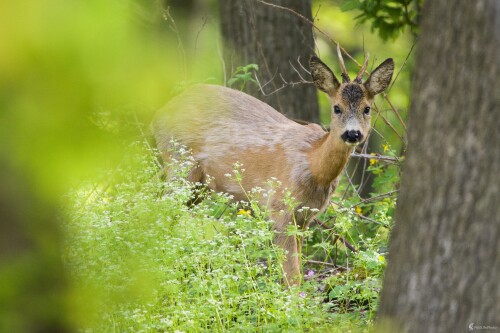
(205, 20)
(261, 87)
(351, 183)
(386, 98)
(302, 66)
(298, 73)
(284, 83)
(221, 58)
(371, 220)
(403, 65)
(182, 52)
(388, 123)
(316, 262)
(380, 196)
(378, 157)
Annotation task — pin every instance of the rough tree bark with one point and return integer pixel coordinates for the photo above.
(444, 259)
(274, 39)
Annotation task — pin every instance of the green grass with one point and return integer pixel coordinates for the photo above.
(140, 260)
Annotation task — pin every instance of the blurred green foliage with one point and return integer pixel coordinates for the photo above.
(64, 61)
(62, 64)
(388, 17)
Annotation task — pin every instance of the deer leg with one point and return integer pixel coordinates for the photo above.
(291, 266)
(197, 176)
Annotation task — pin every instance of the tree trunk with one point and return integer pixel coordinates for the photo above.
(274, 39)
(444, 259)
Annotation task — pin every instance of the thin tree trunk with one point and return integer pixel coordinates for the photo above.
(275, 39)
(444, 260)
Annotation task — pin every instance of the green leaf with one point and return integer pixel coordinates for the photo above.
(349, 5)
(394, 12)
(251, 66)
(244, 77)
(232, 81)
(338, 292)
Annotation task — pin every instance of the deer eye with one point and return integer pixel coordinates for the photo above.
(336, 109)
(367, 110)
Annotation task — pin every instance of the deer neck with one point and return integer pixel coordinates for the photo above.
(327, 158)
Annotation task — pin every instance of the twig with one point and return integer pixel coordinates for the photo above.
(337, 237)
(347, 244)
(378, 157)
(316, 14)
(302, 66)
(351, 183)
(283, 85)
(316, 262)
(388, 123)
(221, 57)
(168, 17)
(385, 94)
(268, 82)
(205, 19)
(394, 109)
(380, 196)
(370, 220)
(365, 177)
(261, 87)
(403, 65)
(298, 73)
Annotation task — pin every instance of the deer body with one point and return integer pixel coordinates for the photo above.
(222, 126)
(240, 128)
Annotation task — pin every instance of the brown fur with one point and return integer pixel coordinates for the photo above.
(223, 126)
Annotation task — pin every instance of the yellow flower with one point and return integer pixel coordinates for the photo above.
(381, 258)
(245, 212)
(386, 147)
(359, 211)
(372, 160)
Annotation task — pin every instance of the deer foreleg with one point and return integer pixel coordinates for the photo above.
(289, 243)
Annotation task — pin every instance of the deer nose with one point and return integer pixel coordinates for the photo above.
(352, 136)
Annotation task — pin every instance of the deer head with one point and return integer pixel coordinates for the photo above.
(351, 101)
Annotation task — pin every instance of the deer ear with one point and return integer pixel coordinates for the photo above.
(323, 77)
(380, 78)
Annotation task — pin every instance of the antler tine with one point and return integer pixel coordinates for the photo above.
(345, 76)
(359, 77)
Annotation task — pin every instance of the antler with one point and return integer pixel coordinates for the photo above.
(359, 77)
(345, 76)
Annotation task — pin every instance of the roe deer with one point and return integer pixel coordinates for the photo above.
(222, 126)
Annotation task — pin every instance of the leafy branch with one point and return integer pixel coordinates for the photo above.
(389, 18)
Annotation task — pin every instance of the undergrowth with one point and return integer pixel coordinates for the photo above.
(141, 260)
